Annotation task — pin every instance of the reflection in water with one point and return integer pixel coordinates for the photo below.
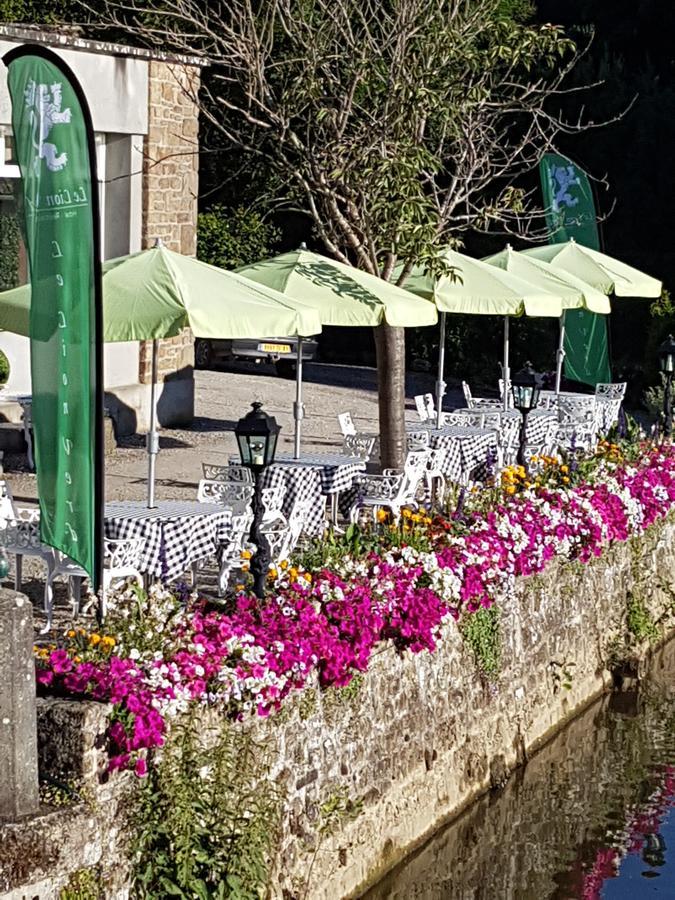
(591, 816)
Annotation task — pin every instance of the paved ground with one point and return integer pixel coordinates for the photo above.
(221, 398)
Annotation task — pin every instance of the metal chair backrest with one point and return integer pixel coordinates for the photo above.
(611, 391)
(272, 499)
(236, 496)
(576, 410)
(360, 445)
(7, 510)
(417, 440)
(467, 394)
(347, 425)
(240, 474)
(413, 471)
(421, 406)
(453, 419)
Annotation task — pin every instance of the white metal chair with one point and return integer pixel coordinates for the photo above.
(347, 426)
(120, 563)
(609, 398)
(426, 408)
(391, 490)
(20, 535)
(235, 495)
(577, 421)
(214, 472)
(360, 445)
(479, 402)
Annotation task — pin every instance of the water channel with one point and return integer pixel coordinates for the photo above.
(591, 816)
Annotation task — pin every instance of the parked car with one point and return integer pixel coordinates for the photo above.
(283, 352)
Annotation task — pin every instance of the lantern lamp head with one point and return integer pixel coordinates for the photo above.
(525, 388)
(667, 355)
(257, 435)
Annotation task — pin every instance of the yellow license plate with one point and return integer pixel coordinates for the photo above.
(275, 348)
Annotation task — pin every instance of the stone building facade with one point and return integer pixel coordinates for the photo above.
(146, 124)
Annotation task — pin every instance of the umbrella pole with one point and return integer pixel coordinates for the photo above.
(440, 384)
(560, 354)
(506, 371)
(153, 438)
(298, 408)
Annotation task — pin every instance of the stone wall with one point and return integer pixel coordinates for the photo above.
(411, 742)
(170, 186)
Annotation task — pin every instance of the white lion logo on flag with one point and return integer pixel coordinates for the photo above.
(44, 103)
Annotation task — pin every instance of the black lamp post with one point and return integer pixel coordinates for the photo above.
(525, 388)
(257, 435)
(667, 366)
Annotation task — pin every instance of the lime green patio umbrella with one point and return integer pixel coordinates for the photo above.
(601, 271)
(341, 295)
(477, 288)
(572, 291)
(155, 293)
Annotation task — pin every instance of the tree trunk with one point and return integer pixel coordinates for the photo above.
(390, 349)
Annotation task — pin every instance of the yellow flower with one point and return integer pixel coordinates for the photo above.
(528, 484)
(108, 641)
(307, 576)
(70, 633)
(283, 565)
(564, 469)
(272, 573)
(510, 489)
(94, 639)
(427, 520)
(382, 515)
(417, 517)
(239, 587)
(566, 480)
(293, 573)
(406, 514)
(246, 554)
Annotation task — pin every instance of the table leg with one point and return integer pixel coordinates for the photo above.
(334, 514)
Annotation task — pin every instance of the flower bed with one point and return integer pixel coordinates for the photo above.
(325, 615)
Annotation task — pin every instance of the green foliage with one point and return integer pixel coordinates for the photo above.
(336, 809)
(359, 541)
(39, 12)
(85, 884)
(4, 368)
(205, 820)
(561, 674)
(482, 634)
(639, 620)
(9, 259)
(233, 237)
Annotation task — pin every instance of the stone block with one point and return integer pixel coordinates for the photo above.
(18, 728)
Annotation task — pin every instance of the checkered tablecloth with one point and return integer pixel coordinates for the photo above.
(337, 471)
(313, 475)
(466, 450)
(176, 533)
(539, 425)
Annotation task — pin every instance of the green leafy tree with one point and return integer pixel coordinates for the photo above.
(233, 237)
(396, 126)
